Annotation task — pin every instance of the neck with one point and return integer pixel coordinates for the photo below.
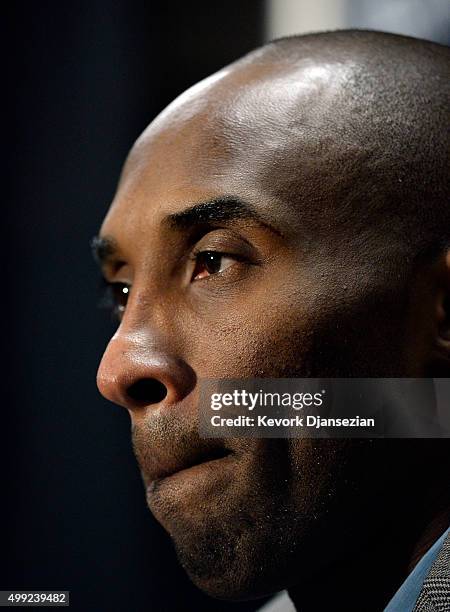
(375, 572)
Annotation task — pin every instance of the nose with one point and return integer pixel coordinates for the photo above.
(138, 371)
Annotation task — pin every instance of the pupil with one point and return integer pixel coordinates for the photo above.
(120, 294)
(212, 262)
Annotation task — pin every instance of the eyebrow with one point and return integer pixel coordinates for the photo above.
(227, 208)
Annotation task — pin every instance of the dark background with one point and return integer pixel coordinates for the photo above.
(83, 80)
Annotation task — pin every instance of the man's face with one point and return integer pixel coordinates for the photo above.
(226, 228)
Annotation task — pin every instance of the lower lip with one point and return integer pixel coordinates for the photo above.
(202, 475)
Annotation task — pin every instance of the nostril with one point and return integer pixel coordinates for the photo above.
(147, 391)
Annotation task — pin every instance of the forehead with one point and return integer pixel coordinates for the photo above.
(253, 132)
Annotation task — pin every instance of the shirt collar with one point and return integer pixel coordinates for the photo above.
(405, 598)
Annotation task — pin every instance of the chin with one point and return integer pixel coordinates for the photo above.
(231, 564)
(226, 540)
(219, 546)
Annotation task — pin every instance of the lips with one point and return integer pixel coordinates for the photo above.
(195, 460)
(164, 447)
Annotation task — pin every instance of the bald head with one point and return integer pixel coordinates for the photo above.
(350, 127)
(387, 101)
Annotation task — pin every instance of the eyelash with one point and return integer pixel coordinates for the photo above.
(196, 258)
(111, 293)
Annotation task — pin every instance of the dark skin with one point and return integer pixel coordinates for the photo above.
(299, 284)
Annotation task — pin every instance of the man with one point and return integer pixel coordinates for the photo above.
(289, 216)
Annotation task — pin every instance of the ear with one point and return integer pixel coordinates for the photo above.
(442, 339)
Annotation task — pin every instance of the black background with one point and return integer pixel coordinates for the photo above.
(84, 79)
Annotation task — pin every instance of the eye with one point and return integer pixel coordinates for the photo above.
(208, 263)
(114, 298)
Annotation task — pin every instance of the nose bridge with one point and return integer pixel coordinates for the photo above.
(141, 366)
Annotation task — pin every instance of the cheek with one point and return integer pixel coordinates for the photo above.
(292, 325)
(262, 333)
